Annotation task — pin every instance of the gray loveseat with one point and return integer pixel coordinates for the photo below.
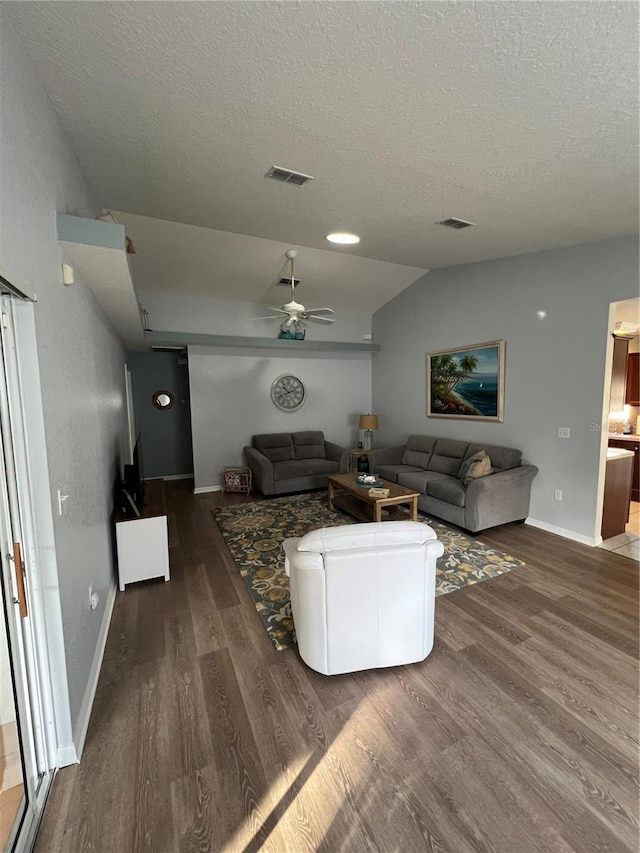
(283, 462)
(430, 465)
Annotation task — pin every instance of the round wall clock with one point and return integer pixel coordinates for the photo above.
(288, 392)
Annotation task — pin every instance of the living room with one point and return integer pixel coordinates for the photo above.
(520, 118)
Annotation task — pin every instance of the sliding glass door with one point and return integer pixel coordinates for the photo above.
(26, 716)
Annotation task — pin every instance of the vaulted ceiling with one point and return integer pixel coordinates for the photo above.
(521, 117)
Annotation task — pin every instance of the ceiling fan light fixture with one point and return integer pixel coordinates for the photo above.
(344, 238)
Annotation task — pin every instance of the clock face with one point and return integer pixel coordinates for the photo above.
(288, 392)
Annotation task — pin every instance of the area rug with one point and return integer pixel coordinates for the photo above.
(254, 533)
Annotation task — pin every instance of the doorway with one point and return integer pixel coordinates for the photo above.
(165, 429)
(622, 425)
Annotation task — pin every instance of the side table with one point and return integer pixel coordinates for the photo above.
(354, 454)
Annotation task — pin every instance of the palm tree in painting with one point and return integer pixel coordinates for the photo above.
(447, 372)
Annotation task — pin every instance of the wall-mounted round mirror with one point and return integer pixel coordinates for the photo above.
(163, 399)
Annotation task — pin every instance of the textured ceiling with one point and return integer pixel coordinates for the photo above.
(519, 116)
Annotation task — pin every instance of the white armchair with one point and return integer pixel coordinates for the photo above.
(363, 595)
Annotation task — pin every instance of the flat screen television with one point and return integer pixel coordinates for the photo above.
(132, 498)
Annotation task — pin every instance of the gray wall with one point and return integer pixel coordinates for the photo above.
(555, 367)
(230, 399)
(166, 434)
(175, 313)
(80, 357)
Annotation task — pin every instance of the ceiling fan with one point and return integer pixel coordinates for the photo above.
(294, 313)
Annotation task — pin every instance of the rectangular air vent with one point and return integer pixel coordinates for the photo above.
(167, 348)
(457, 224)
(288, 176)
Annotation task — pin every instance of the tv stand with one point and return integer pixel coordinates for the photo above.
(143, 543)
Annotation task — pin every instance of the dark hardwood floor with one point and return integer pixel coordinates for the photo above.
(518, 733)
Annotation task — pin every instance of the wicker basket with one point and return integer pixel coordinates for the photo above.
(237, 479)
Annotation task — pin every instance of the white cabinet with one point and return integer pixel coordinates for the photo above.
(143, 543)
(143, 549)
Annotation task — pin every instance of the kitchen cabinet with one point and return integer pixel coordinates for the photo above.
(630, 442)
(617, 492)
(632, 397)
(618, 374)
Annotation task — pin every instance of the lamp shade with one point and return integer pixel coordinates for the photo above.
(368, 422)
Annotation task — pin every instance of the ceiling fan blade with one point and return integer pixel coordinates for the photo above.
(269, 317)
(319, 311)
(319, 319)
(281, 313)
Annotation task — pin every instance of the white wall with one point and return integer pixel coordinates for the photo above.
(80, 359)
(555, 367)
(176, 313)
(230, 402)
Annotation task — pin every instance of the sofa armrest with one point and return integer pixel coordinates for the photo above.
(336, 453)
(499, 498)
(385, 456)
(262, 470)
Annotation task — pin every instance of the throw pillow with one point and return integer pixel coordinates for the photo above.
(476, 466)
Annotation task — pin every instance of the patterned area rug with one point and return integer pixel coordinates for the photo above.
(255, 531)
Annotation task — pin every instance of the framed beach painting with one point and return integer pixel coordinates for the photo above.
(467, 382)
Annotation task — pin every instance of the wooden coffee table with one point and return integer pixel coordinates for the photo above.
(346, 494)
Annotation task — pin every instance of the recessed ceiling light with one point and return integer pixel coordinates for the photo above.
(343, 237)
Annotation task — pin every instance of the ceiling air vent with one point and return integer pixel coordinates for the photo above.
(456, 224)
(288, 176)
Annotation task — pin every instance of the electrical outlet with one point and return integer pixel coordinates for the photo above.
(564, 432)
(557, 494)
(93, 598)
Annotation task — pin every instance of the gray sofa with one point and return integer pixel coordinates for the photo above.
(430, 465)
(283, 462)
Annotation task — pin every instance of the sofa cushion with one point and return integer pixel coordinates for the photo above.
(418, 451)
(321, 466)
(290, 468)
(447, 456)
(308, 445)
(418, 480)
(391, 472)
(474, 467)
(448, 489)
(276, 446)
(502, 458)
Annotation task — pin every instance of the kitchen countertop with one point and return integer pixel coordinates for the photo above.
(618, 453)
(620, 437)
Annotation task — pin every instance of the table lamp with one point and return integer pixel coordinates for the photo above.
(368, 423)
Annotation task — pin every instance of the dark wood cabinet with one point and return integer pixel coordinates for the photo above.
(618, 374)
(631, 443)
(617, 494)
(632, 397)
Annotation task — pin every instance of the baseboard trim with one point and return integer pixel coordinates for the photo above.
(201, 490)
(172, 477)
(566, 534)
(82, 723)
